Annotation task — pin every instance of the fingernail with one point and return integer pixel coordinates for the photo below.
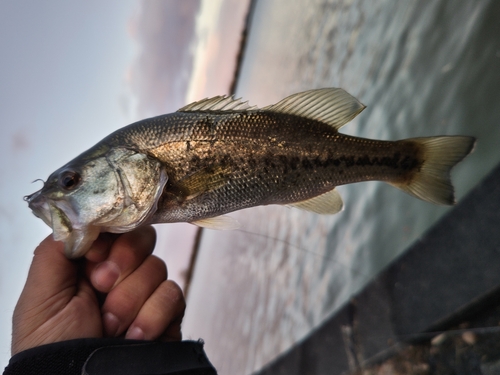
(111, 324)
(135, 333)
(105, 275)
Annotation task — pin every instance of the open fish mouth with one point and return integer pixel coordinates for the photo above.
(58, 215)
(39, 206)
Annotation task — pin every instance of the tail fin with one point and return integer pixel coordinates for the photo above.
(432, 182)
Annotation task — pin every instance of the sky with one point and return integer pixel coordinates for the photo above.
(71, 73)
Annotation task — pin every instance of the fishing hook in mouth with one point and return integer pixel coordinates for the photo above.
(27, 198)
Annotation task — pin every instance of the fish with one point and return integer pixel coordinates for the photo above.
(219, 155)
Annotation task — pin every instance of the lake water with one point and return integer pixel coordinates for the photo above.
(423, 68)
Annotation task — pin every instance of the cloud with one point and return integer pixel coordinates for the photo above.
(164, 32)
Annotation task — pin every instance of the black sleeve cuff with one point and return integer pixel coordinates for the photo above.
(113, 356)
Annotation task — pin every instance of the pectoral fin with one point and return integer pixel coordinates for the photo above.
(328, 203)
(204, 180)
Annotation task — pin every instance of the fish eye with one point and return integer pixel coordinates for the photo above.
(68, 180)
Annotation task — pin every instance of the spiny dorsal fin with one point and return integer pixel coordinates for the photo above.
(328, 203)
(333, 106)
(223, 222)
(218, 103)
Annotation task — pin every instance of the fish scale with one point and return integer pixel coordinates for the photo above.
(280, 159)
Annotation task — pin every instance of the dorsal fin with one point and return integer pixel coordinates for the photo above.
(332, 106)
(217, 103)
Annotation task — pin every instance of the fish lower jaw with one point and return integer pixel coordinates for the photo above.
(40, 208)
(79, 241)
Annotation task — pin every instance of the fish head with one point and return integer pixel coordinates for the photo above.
(115, 190)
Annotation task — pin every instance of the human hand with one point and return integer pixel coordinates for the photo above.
(118, 289)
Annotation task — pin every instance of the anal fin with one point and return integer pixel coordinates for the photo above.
(223, 222)
(327, 204)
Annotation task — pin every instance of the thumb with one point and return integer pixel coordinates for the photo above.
(52, 280)
(56, 304)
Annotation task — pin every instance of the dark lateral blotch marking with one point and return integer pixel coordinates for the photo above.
(395, 161)
(363, 160)
(294, 162)
(392, 162)
(306, 164)
(348, 161)
(409, 163)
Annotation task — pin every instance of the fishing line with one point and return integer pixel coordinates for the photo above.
(331, 259)
(404, 338)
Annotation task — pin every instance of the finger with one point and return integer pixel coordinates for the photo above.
(99, 250)
(161, 315)
(126, 299)
(127, 252)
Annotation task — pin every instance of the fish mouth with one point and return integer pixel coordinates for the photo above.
(58, 215)
(39, 205)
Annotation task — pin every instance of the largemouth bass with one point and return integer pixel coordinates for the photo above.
(219, 155)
